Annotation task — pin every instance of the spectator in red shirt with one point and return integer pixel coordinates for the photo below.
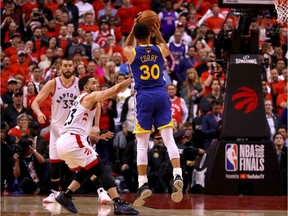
(215, 22)
(214, 72)
(91, 70)
(88, 24)
(63, 41)
(79, 58)
(281, 102)
(280, 86)
(267, 95)
(9, 30)
(11, 11)
(202, 6)
(38, 42)
(127, 13)
(14, 39)
(20, 46)
(30, 92)
(114, 26)
(6, 73)
(32, 53)
(52, 44)
(21, 128)
(111, 47)
(26, 10)
(108, 111)
(21, 67)
(142, 4)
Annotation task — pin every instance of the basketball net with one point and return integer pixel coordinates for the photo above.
(281, 7)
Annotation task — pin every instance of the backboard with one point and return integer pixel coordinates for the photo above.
(245, 3)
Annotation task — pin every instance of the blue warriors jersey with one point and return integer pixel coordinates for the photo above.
(147, 67)
(152, 103)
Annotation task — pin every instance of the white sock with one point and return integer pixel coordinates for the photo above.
(142, 179)
(177, 171)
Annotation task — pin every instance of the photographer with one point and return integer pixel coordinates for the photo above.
(215, 71)
(40, 142)
(29, 167)
(37, 18)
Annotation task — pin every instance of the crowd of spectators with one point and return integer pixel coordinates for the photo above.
(37, 34)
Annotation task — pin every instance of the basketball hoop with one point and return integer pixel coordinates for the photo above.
(281, 7)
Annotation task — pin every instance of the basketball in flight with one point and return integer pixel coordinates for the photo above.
(148, 17)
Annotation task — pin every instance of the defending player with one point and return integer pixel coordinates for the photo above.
(63, 91)
(73, 148)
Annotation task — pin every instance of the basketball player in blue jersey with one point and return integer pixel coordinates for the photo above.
(152, 104)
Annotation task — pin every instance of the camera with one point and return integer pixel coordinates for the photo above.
(36, 14)
(23, 145)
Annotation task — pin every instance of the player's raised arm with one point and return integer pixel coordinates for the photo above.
(128, 50)
(160, 40)
(96, 96)
(47, 89)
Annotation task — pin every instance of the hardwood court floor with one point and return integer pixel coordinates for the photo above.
(157, 204)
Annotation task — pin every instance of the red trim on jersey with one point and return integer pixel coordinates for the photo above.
(75, 169)
(56, 161)
(52, 94)
(93, 163)
(78, 139)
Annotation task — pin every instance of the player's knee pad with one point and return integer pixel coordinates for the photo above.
(142, 146)
(82, 176)
(55, 171)
(169, 142)
(102, 174)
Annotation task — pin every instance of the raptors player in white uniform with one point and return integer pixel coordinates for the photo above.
(73, 147)
(63, 91)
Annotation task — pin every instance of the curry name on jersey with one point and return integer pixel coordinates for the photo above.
(147, 67)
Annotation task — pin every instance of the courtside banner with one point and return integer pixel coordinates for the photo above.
(244, 113)
(238, 167)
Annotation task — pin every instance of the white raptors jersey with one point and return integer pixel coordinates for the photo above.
(62, 100)
(80, 119)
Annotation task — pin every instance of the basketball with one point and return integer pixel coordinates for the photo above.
(148, 17)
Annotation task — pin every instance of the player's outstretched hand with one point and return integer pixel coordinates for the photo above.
(107, 135)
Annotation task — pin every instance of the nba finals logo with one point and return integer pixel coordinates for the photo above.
(231, 157)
